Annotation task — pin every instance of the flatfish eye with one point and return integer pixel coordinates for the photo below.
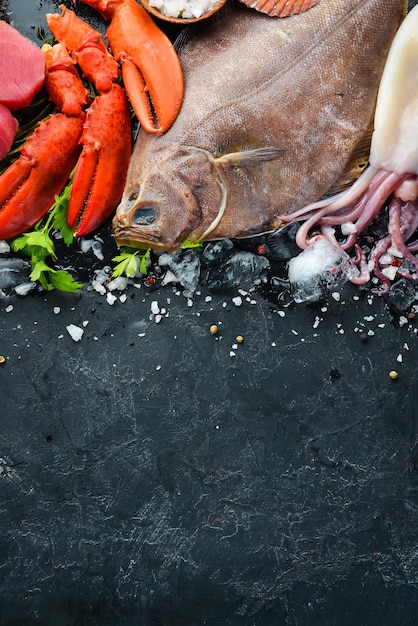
(145, 215)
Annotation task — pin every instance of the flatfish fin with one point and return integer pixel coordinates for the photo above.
(281, 8)
(249, 158)
(357, 163)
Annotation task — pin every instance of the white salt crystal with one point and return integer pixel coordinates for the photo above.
(395, 252)
(24, 288)
(111, 299)
(349, 228)
(120, 283)
(75, 332)
(98, 287)
(390, 271)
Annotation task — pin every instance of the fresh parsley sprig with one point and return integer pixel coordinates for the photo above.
(130, 261)
(38, 245)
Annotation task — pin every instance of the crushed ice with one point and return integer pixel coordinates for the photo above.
(319, 269)
(14, 276)
(184, 267)
(226, 267)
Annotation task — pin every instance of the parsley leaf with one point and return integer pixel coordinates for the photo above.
(38, 245)
(131, 261)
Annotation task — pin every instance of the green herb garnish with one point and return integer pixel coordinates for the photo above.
(38, 245)
(130, 260)
(186, 245)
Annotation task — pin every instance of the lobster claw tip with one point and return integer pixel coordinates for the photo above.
(151, 70)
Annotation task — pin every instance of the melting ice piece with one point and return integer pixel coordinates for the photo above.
(217, 249)
(318, 269)
(241, 269)
(13, 272)
(185, 265)
(402, 295)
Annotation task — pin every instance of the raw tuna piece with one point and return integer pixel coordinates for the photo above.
(22, 68)
(8, 126)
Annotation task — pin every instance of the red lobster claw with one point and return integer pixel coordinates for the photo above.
(151, 70)
(28, 187)
(101, 170)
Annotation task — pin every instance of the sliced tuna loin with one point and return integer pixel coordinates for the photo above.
(8, 129)
(22, 68)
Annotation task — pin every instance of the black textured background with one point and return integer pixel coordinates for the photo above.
(150, 477)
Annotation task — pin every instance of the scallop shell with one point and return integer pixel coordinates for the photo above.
(281, 8)
(180, 20)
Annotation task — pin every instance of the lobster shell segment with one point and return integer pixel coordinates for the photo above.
(29, 185)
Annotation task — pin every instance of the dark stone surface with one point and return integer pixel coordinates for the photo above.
(149, 477)
(160, 480)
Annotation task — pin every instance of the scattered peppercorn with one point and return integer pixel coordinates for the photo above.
(2, 359)
(239, 338)
(213, 329)
(393, 374)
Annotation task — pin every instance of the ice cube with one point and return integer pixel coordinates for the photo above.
(402, 295)
(13, 272)
(320, 268)
(216, 249)
(185, 265)
(240, 269)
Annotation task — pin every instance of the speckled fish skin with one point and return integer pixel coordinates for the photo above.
(273, 109)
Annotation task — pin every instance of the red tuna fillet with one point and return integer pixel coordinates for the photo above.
(22, 68)
(8, 125)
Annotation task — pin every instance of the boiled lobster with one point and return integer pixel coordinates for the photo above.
(151, 70)
(101, 170)
(28, 186)
(96, 131)
(100, 138)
